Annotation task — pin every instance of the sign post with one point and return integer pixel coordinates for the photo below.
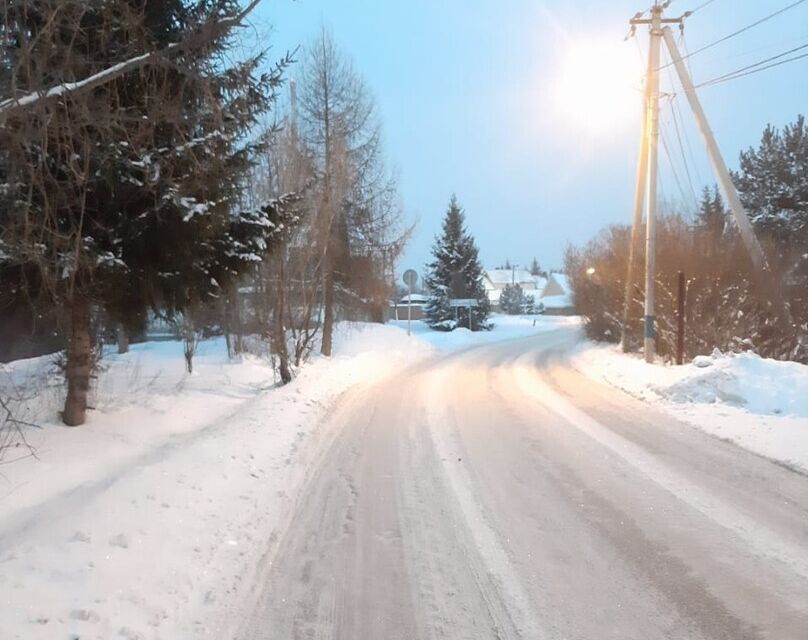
(410, 279)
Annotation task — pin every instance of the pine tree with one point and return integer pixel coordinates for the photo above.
(535, 269)
(512, 300)
(455, 273)
(711, 218)
(773, 186)
(134, 189)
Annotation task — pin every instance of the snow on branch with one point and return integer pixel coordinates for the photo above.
(204, 33)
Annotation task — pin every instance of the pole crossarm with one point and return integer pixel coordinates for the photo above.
(679, 20)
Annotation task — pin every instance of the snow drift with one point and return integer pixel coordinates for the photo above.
(758, 403)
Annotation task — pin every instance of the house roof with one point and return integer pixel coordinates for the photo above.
(507, 276)
(562, 281)
(416, 298)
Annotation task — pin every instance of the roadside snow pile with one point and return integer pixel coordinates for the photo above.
(505, 327)
(760, 385)
(149, 521)
(758, 403)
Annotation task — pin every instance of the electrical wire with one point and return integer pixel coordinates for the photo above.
(700, 7)
(681, 126)
(675, 173)
(742, 30)
(672, 101)
(757, 66)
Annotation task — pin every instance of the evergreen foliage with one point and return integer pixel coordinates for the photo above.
(711, 218)
(129, 196)
(773, 186)
(514, 301)
(455, 273)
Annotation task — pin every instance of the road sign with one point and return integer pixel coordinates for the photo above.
(410, 278)
(464, 303)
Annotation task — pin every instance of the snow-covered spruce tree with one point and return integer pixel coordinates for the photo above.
(127, 196)
(513, 300)
(773, 186)
(455, 273)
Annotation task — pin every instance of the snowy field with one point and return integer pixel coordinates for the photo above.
(146, 522)
(757, 403)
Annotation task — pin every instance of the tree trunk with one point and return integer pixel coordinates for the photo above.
(328, 307)
(123, 339)
(239, 341)
(278, 328)
(79, 362)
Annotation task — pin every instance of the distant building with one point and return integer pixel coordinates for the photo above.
(399, 310)
(557, 296)
(550, 295)
(495, 281)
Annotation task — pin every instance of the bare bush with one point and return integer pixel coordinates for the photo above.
(724, 308)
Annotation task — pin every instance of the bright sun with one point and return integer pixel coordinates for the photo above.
(596, 88)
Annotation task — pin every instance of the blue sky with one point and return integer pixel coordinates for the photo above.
(475, 98)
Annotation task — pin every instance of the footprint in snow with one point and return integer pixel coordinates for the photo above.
(80, 536)
(85, 615)
(119, 541)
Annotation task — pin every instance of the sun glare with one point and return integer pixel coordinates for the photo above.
(596, 89)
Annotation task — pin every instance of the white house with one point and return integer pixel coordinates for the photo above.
(551, 293)
(495, 281)
(557, 295)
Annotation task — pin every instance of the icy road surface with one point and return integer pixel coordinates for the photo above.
(497, 493)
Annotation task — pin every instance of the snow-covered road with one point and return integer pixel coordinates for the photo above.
(499, 493)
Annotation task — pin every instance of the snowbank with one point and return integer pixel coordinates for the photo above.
(758, 403)
(146, 522)
(505, 327)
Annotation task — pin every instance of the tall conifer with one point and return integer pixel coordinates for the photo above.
(455, 273)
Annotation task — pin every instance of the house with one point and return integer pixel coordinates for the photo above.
(413, 303)
(557, 296)
(495, 281)
(551, 295)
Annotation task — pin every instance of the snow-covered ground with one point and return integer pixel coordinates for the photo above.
(147, 522)
(758, 403)
(153, 520)
(505, 328)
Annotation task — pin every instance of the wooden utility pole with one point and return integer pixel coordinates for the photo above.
(680, 320)
(649, 334)
(650, 142)
(636, 218)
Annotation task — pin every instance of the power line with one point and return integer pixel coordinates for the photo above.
(700, 7)
(675, 173)
(682, 149)
(757, 66)
(681, 119)
(740, 31)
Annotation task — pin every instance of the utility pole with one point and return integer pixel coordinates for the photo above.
(651, 125)
(768, 285)
(636, 217)
(649, 342)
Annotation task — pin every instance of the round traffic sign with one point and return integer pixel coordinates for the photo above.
(410, 278)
